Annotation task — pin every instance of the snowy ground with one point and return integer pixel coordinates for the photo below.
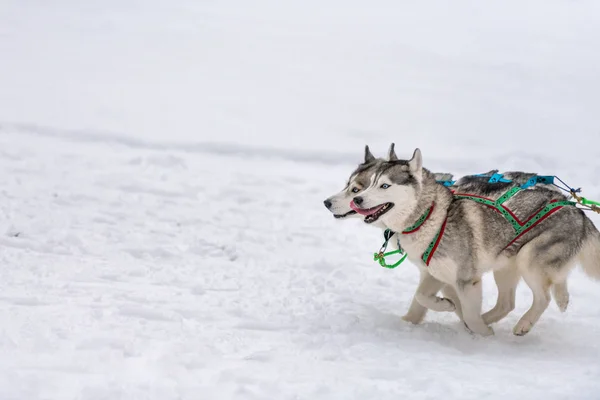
(163, 164)
(136, 273)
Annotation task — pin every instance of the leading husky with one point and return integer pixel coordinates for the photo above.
(461, 239)
(506, 279)
(339, 205)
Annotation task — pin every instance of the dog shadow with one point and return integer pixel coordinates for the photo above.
(448, 332)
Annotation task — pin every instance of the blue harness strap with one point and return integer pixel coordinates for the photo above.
(498, 178)
(494, 178)
(446, 183)
(544, 179)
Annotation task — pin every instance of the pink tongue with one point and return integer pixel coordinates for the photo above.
(365, 212)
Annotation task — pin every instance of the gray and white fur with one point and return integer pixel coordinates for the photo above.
(339, 205)
(506, 279)
(476, 237)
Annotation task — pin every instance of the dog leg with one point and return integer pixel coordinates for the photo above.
(470, 296)
(507, 280)
(560, 292)
(435, 303)
(428, 287)
(540, 287)
(544, 262)
(426, 295)
(451, 295)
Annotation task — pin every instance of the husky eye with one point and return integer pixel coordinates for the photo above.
(385, 186)
(355, 190)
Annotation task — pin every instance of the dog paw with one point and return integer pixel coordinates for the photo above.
(562, 306)
(522, 328)
(497, 313)
(446, 305)
(487, 331)
(561, 296)
(494, 315)
(482, 330)
(490, 317)
(562, 303)
(413, 319)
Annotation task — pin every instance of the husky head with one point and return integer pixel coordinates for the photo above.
(360, 179)
(393, 192)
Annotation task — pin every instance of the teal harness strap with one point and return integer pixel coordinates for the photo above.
(498, 178)
(545, 179)
(446, 183)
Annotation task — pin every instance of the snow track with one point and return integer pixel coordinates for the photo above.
(135, 273)
(164, 166)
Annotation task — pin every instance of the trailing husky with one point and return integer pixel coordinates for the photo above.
(459, 236)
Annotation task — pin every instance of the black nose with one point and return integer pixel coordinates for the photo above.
(358, 200)
(327, 203)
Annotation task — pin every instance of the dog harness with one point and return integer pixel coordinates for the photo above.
(388, 234)
(520, 227)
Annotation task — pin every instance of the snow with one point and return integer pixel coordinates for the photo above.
(162, 232)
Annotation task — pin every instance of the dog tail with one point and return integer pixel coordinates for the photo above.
(589, 255)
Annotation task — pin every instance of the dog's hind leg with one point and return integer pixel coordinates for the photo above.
(560, 292)
(425, 298)
(544, 262)
(540, 286)
(507, 280)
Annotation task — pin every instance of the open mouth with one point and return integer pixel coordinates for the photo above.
(349, 213)
(372, 214)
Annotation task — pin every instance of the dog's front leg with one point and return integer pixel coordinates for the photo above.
(471, 296)
(425, 298)
(449, 293)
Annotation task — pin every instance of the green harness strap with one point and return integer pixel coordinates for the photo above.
(387, 235)
(591, 204)
(380, 257)
(520, 227)
(428, 254)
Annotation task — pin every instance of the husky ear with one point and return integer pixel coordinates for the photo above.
(416, 162)
(392, 153)
(369, 157)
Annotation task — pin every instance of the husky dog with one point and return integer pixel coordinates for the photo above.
(506, 279)
(339, 205)
(462, 238)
